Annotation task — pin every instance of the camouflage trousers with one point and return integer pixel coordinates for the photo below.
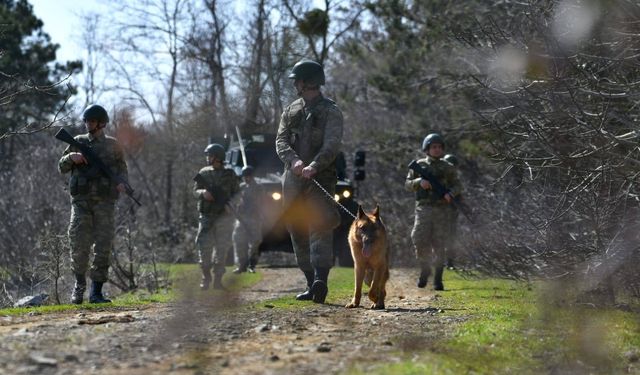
(311, 217)
(213, 241)
(92, 225)
(430, 234)
(246, 242)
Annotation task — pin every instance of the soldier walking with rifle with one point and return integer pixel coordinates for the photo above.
(98, 174)
(247, 231)
(436, 186)
(214, 186)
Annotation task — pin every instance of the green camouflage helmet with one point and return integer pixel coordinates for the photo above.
(308, 71)
(247, 171)
(215, 150)
(432, 138)
(452, 159)
(96, 112)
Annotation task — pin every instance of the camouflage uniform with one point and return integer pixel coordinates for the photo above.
(93, 197)
(432, 225)
(215, 223)
(247, 232)
(311, 132)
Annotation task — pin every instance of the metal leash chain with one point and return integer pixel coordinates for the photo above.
(332, 198)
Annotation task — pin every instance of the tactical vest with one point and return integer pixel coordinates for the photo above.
(430, 196)
(309, 125)
(224, 179)
(88, 180)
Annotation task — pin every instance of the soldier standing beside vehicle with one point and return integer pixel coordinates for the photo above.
(432, 213)
(308, 139)
(93, 197)
(214, 186)
(452, 246)
(247, 232)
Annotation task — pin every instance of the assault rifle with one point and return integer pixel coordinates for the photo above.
(440, 189)
(220, 197)
(95, 160)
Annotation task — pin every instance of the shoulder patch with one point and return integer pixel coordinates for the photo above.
(205, 169)
(82, 138)
(330, 101)
(296, 106)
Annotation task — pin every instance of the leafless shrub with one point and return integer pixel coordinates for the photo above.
(54, 252)
(564, 133)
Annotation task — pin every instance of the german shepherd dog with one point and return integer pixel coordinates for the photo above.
(370, 252)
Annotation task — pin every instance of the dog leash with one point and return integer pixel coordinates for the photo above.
(332, 199)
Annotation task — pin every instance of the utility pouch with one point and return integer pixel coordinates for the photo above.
(78, 185)
(104, 187)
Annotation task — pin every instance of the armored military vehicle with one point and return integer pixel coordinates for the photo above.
(261, 155)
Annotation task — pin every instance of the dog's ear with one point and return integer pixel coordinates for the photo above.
(361, 213)
(376, 212)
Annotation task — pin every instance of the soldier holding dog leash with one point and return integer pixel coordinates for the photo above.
(308, 141)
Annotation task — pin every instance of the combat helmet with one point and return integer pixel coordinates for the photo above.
(432, 138)
(96, 112)
(216, 150)
(247, 171)
(308, 71)
(452, 159)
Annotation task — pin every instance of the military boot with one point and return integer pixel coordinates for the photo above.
(450, 264)
(206, 278)
(95, 296)
(437, 279)
(306, 295)
(320, 288)
(424, 276)
(217, 281)
(252, 265)
(78, 289)
(242, 267)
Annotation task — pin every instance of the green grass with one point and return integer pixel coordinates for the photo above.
(341, 291)
(181, 276)
(503, 327)
(506, 329)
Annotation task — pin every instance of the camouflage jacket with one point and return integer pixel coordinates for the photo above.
(444, 172)
(311, 132)
(224, 179)
(86, 180)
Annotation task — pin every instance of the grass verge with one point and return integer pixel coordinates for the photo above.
(508, 327)
(180, 276)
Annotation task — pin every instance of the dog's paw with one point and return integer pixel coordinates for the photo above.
(375, 306)
(351, 305)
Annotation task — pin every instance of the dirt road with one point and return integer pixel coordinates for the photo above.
(219, 334)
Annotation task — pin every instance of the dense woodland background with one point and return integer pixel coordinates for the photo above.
(538, 99)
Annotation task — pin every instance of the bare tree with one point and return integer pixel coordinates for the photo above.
(255, 70)
(314, 25)
(153, 33)
(92, 42)
(558, 111)
(206, 44)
